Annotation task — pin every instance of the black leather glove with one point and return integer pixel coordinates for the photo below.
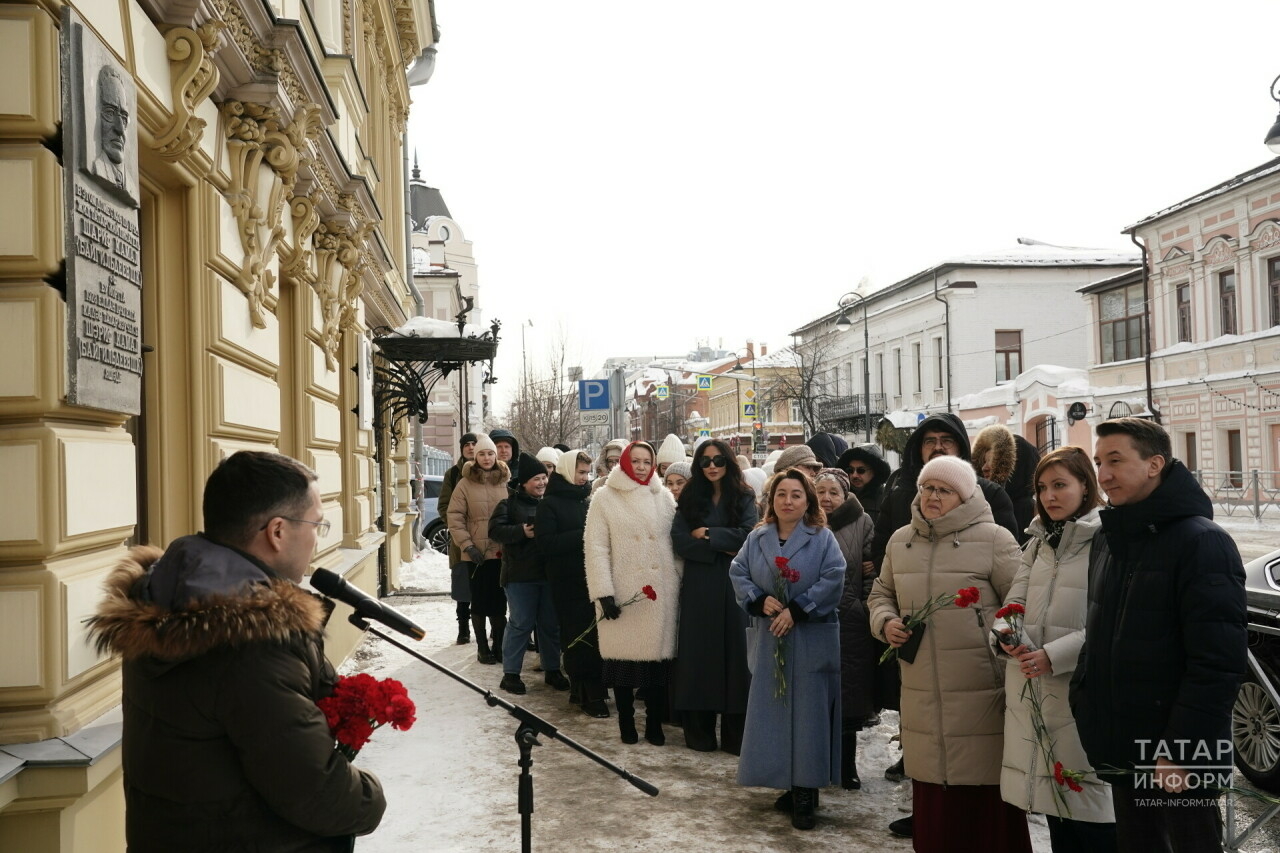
(609, 608)
(475, 554)
(756, 608)
(797, 614)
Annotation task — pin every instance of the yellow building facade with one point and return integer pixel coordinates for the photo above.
(270, 203)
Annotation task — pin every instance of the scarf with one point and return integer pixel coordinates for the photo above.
(625, 461)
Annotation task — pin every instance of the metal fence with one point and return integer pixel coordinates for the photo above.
(1250, 493)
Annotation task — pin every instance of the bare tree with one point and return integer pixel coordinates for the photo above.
(545, 409)
(811, 383)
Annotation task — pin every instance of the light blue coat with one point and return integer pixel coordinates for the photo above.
(793, 741)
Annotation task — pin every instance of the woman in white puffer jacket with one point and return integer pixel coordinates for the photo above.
(1052, 586)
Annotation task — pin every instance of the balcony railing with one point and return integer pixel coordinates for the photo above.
(843, 408)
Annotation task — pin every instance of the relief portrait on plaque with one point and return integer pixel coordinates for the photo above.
(110, 151)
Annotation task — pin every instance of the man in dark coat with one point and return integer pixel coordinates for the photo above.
(942, 434)
(1165, 644)
(459, 585)
(224, 746)
(868, 473)
(560, 524)
(524, 577)
(508, 450)
(827, 447)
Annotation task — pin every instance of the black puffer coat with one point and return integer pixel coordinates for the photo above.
(560, 522)
(895, 511)
(521, 558)
(224, 746)
(873, 495)
(858, 649)
(1165, 634)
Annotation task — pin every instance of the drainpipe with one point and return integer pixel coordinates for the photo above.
(1146, 320)
(946, 326)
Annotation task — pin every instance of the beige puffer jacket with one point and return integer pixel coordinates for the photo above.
(1053, 586)
(953, 694)
(473, 501)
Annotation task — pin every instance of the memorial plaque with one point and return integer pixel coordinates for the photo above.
(101, 237)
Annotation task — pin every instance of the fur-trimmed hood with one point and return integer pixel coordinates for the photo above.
(995, 446)
(499, 473)
(247, 611)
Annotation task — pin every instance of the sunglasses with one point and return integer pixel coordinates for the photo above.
(708, 461)
(859, 470)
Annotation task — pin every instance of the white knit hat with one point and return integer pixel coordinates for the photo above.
(951, 471)
(483, 442)
(672, 449)
(548, 454)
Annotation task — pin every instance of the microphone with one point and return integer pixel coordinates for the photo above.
(366, 605)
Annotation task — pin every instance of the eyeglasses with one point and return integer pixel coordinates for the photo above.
(708, 461)
(938, 491)
(857, 470)
(935, 441)
(322, 526)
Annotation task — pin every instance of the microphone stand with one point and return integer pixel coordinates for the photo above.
(531, 725)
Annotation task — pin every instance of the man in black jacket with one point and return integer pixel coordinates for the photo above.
(524, 577)
(224, 746)
(1165, 644)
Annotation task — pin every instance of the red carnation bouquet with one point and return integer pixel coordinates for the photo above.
(360, 704)
(646, 591)
(781, 586)
(915, 622)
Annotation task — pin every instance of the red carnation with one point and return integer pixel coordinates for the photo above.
(968, 595)
(782, 563)
(360, 704)
(1010, 609)
(649, 592)
(1074, 785)
(1057, 773)
(789, 574)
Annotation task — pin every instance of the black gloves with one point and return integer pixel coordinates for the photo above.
(475, 554)
(797, 615)
(609, 608)
(756, 608)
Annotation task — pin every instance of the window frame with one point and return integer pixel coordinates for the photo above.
(1130, 322)
(1003, 353)
(1183, 313)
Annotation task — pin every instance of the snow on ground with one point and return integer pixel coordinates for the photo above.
(451, 780)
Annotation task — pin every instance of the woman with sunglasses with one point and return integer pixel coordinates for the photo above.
(628, 554)
(952, 704)
(716, 511)
(1052, 585)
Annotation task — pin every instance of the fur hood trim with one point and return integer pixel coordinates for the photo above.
(845, 514)
(499, 473)
(995, 446)
(274, 612)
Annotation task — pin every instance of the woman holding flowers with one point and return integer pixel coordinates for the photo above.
(1044, 644)
(789, 575)
(634, 576)
(952, 691)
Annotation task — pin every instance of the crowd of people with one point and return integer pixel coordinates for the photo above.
(773, 612)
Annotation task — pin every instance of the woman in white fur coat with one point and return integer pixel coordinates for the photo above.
(628, 548)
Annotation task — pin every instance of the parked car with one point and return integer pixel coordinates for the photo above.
(434, 530)
(1255, 719)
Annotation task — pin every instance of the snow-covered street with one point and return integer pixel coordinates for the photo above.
(451, 779)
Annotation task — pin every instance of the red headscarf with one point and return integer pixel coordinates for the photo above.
(625, 461)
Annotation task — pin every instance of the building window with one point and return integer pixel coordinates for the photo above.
(1235, 459)
(880, 372)
(862, 375)
(1192, 459)
(1008, 355)
(918, 359)
(1122, 313)
(1273, 277)
(1227, 301)
(1184, 312)
(897, 372)
(938, 369)
(795, 411)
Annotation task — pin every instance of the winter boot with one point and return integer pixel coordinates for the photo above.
(464, 631)
(499, 624)
(626, 701)
(593, 699)
(784, 802)
(804, 801)
(483, 654)
(849, 760)
(654, 711)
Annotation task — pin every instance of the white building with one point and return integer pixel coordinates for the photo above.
(952, 330)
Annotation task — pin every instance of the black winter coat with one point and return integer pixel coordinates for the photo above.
(224, 746)
(873, 495)
(895, 511)
(1165, 634)
(711, 672)
(560, 523)
(521, 557)
(859, 650)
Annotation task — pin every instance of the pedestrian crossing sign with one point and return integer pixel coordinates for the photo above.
(748, 410)
(704, 383)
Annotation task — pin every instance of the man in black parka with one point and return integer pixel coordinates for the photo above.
(1165, 644)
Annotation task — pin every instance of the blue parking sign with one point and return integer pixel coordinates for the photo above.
(593, 395)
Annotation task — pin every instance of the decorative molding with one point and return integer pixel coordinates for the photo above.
(193, 77)
(338, 281)
(295, 258)
(1266, 235)
(258, 138)
(1221, 253)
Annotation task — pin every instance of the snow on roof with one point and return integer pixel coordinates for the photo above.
(1256, 173)
(429, 327)
(1053, 376)
(1033, 253)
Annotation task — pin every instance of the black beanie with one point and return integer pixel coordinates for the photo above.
(467, 438)
(527, 468)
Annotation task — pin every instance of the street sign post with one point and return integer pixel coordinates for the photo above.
(748, 410)
(593, 418)
(704, 382)
(662, 392)
(593, 402)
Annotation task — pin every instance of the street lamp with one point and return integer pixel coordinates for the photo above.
(843, 324)
(1273, 135)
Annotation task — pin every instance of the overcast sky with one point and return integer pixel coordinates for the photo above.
(648, 175)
